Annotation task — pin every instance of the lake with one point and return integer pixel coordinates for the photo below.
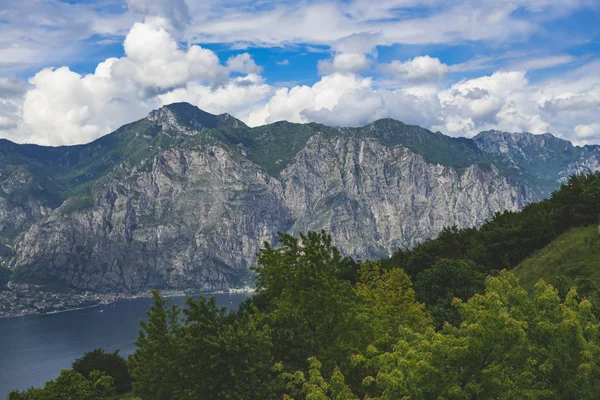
(35, 348)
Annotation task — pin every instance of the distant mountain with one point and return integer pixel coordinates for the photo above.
(184, 198)
(543, 156)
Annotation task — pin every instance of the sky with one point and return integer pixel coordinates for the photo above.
(74, 70)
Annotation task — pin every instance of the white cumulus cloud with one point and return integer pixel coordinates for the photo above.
(65, 107)
(587, 133)
(353, 63)
(155, 60)
(419, 69)
(342, 99)
(566, 107)
(243, 63)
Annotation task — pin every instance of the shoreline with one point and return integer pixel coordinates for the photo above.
(50, 312)
(115, 297)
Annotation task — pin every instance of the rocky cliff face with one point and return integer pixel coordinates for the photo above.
(375, 199)
(196, 219)
(191, 202)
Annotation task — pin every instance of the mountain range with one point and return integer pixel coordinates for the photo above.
(184, 198)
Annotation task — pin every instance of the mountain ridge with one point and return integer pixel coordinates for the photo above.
(184, 198)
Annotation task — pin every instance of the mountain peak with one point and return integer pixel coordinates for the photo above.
(189, 119)
(230, 121)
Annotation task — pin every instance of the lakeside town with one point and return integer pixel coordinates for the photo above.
(26, 299)
(18, 299)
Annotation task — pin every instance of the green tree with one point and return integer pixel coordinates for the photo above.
(310, 303)
(244, 363)
(316, 387)
(208, 354)
(445, 280)
(156, 365)
(386, 300)
(226, 356)
(577, 203)
(112, 364)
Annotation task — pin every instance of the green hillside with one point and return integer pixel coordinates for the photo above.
(573, 255)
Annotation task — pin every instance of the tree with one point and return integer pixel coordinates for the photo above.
(200, 346)
(577, 203)
(316, 387)
(244, 363)
(207, 354)
(386, 300)
(112, 364)
(445, 280)
(311, 304)
(156, 365)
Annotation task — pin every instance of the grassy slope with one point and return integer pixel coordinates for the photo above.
(574, 254)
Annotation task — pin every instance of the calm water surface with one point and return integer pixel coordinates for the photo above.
(35, 348)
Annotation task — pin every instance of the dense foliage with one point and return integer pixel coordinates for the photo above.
(112, 364)
(70, 385)
(304, 307)
(206, 355)
(323, 327)
(445, 280)
(509, 346)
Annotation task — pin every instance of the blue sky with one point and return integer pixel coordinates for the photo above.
(71, 71)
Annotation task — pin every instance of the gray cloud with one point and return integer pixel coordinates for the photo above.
(474, 94)
(176, 12)
(11, 97)
(37, 33)
(360, 25)
(11, 88)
